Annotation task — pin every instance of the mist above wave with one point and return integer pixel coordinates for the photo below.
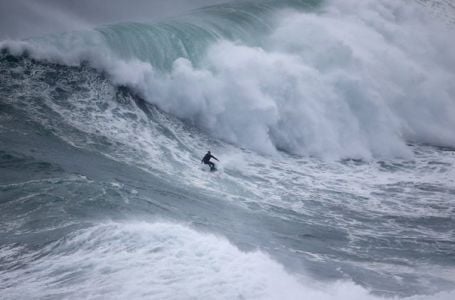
(28, 18)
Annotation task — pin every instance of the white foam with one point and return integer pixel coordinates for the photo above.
(350, 82)
(160, 261)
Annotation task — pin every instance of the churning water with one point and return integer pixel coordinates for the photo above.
(333, 121)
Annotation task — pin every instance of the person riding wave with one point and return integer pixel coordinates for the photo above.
(206, 160)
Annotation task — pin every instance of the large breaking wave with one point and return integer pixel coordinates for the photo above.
(332, 79)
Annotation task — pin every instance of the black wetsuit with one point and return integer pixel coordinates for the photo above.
(206, 160)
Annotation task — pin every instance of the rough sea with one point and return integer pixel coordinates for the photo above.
(334, 124)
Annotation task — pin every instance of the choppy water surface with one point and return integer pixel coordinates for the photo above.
(337, 172)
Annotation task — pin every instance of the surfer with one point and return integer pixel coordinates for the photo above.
(206, 160)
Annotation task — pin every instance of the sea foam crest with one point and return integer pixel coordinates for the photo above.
(160, 260)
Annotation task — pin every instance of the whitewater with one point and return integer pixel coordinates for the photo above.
(334, 123)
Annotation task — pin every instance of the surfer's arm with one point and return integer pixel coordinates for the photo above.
(215, 158)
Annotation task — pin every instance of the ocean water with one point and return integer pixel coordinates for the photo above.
(334, 123)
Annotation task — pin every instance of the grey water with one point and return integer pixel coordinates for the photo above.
(102, 194)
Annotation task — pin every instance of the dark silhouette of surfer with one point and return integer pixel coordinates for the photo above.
(206, 160)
